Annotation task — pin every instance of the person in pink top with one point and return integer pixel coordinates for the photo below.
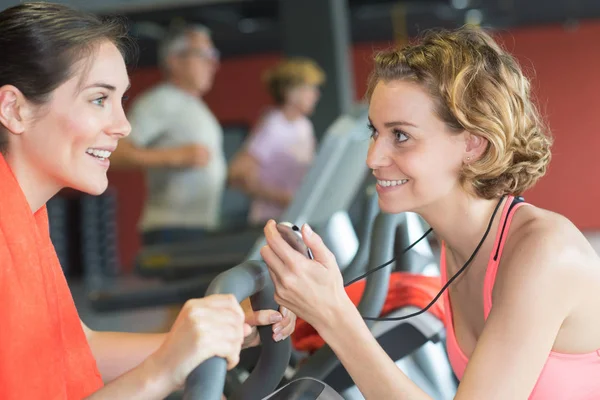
(456, 139)
(281, 148)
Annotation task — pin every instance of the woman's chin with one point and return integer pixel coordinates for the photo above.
(392, 207)
(398, 200)
(93, 188)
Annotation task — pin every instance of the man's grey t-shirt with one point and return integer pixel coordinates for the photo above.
(190, 197)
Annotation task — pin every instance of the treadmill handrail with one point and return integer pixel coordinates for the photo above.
(382, 250)
(369, 211)
(207, 381)
(324, 360)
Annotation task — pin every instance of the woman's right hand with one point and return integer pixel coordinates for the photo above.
(207, 327)
(311, 289)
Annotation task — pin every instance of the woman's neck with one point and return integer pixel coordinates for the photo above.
(460, 220)
(290, 112)
(38, 189)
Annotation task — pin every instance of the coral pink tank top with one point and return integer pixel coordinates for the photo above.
(564, 376)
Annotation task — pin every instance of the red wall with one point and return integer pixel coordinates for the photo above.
(564, 68)
(567, 83)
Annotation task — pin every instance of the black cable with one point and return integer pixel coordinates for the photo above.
(487, 231)
(389, 262)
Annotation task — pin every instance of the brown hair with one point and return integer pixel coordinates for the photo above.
(291, 73)
(478, 87)
(41, 42)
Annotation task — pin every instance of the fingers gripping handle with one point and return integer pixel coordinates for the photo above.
(274, 357)
(207, 381)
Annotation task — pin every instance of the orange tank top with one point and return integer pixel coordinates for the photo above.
(44, 353)
(564, 376)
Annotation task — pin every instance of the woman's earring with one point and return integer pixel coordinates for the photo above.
(468, 159)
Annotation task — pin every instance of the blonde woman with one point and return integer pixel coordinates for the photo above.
(456, 139)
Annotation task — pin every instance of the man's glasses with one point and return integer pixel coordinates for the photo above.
(207, 54)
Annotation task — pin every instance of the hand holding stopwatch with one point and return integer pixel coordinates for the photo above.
(292, 235)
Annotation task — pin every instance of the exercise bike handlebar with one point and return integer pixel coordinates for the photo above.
(206, 382)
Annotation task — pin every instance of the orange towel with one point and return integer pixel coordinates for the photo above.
(44, 353)
(405, 289)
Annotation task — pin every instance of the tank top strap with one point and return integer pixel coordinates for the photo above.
(512, 205)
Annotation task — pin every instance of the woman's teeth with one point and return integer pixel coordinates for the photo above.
(101, 154)
(391, 183)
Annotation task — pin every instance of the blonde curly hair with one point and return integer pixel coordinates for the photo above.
(290, 73)
(478, 87)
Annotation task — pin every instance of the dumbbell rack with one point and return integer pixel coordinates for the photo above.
(83, 230)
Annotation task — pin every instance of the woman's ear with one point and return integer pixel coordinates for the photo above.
(475, 147)
(13, 107)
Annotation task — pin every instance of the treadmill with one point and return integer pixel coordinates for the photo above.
(328, 190)
(221, 251)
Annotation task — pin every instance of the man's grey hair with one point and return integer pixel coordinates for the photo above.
(176, 41)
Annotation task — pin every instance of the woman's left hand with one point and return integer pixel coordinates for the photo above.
(312, 289)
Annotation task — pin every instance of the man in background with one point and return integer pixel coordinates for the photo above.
(178, 142)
